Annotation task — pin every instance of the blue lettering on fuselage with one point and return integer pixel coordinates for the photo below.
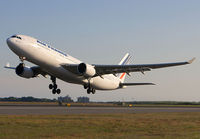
(54, 49)
(41, 43)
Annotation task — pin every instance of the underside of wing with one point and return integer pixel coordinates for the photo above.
(113, 69)
(37, 70)
(87, 70)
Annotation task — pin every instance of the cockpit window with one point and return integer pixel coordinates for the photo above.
(15, 36)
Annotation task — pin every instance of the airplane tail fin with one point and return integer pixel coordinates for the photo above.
(125, 61)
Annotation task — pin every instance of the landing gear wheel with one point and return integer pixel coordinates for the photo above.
(93, 91)
(88, 91)
(55, 86)
(85, 86)
(54, 91)
(50, 86)
(58, 91)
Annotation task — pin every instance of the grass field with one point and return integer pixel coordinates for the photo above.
(138, 126)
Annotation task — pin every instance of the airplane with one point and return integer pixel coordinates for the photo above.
(57, 64)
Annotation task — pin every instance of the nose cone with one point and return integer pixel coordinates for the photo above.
(9, 42)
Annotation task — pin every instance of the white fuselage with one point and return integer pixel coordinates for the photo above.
(50, 59)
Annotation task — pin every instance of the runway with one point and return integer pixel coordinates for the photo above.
(62, 110)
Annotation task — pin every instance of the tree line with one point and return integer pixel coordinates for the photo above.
(27, 99)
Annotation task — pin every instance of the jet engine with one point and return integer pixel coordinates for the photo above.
(86, 70)
(23, 71)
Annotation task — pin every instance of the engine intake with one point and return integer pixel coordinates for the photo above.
(23, 71)
(86, 70)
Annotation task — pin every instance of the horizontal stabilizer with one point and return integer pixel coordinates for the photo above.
(134, 84)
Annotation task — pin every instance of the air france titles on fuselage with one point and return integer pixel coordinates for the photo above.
(47, 46)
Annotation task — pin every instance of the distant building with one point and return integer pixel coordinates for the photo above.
(65, 99)
(83, 99)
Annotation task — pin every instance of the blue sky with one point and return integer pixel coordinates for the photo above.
(101, 32)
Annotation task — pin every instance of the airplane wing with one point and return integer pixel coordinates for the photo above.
(113, 69)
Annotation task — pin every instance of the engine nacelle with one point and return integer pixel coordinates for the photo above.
(86, 70)
(25, 72)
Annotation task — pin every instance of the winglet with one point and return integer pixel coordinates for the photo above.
(190, 61)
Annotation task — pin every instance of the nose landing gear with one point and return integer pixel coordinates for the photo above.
(21, 58)
(54, 86)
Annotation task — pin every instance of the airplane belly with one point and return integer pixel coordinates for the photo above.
(65, 75)
(104, 84)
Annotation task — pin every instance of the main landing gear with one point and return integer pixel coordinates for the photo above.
(89, 89)
(54, 86)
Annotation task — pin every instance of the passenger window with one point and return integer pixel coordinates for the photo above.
(14, 36)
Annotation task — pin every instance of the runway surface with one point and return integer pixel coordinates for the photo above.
(52, 110)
